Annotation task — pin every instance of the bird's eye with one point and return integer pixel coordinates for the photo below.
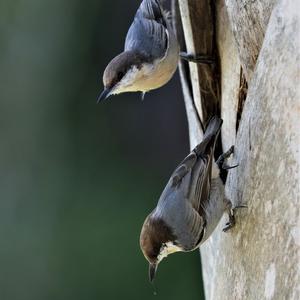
(120, 75)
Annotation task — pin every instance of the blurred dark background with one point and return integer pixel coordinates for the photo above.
(78, 179)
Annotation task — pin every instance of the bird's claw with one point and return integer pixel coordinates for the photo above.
(227, 167)
(228, 227)
(221, 161)
(240, 206)
(231, 222)
(197, 58)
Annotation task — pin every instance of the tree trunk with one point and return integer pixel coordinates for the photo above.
(256, 45)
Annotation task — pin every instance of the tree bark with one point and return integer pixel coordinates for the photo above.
(248, 21)
(258, 48)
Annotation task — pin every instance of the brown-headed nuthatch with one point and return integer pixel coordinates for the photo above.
(150, 56)
(191, 204)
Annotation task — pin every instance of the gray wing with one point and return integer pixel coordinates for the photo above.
(193, 175)
(175, 208)
(183, 202)
(200, 182)
(148, 32)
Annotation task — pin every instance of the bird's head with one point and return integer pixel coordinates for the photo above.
(124, 74)
(157, 241)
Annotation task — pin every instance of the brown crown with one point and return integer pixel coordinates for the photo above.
(119, 66)
(155, 232)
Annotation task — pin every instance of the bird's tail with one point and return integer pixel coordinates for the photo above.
(210, 136)
(213, 126)
(152, 9)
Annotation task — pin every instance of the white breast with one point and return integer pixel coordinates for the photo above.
(163, 69)
(154, 75)
(168, 249)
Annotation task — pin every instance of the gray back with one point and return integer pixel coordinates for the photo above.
(147, 34)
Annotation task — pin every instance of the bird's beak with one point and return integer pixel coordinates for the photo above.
(104, 95)
(152, 271)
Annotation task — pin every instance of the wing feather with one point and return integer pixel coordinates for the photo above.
(183, 201)
(148, 32)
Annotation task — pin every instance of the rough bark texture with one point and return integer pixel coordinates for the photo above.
(230, 70)
(249, 20)
(260, 257)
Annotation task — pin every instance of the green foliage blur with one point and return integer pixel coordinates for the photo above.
(78, 179)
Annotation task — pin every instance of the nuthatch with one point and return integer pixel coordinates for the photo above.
(150, 56)
(191, 204)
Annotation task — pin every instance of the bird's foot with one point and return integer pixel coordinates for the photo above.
(197, 58)
(221, 161)
(231, 214)
(231, 222)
